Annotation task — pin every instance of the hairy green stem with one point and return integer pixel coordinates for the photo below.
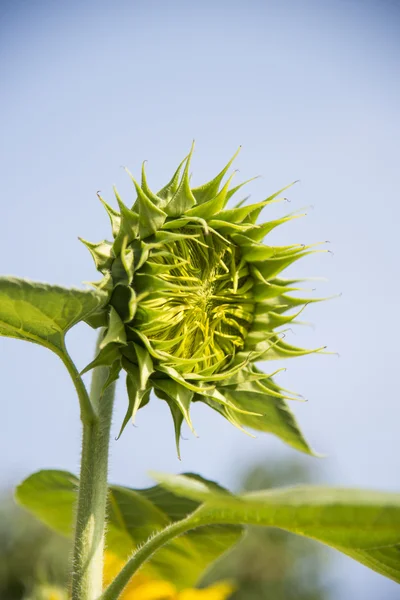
(87, 574)
(143, 554)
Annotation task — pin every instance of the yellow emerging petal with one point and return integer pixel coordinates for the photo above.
(56, 595)
(219, 591)
(141, 587)
(48, 593)
(151, 590)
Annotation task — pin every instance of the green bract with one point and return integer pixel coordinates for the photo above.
(195, 300)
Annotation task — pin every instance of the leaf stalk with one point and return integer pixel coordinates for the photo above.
(144, 552)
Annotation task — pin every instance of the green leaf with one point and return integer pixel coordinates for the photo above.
(128, 225)
(123, 299)
(134, 515)
(105, 358)
(136, 382)
(151, 217)
(170, 189)
(237, 215)
(260, 231)
(113, 374)
(116, 330)
(212, 206)
(270, 268)
(135, 394)
(42, 313)
(249, 405)
(102, 254)
(145, 365)
(177, 418)
(177, 395)
(114, 216)
(183, 199)
(196, 489)
(49, 495)
(253, 216)
(207, 191)
(157, 200)
(363, 524)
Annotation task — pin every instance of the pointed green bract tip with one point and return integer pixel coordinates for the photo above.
(196, 299)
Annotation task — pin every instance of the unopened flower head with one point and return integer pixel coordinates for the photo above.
(195, 299)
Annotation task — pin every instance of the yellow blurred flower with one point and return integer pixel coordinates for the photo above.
(48, 592)
(219, 591)
(142, 587)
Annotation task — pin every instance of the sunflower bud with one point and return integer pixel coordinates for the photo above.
(196, 300)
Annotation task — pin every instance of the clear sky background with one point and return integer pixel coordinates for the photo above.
(311, 90)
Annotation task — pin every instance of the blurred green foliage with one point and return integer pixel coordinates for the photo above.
(30, 554)
(269, 564)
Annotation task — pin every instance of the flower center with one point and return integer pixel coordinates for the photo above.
(199, 304)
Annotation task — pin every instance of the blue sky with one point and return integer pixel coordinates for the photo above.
(311, 91)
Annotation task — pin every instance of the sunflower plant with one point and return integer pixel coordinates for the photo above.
(191, 300)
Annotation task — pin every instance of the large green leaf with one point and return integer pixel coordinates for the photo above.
(42, 313)
(134, 515)
(360, 523)
(365, 525)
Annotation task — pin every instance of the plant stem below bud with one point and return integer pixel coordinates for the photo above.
(87, 574)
